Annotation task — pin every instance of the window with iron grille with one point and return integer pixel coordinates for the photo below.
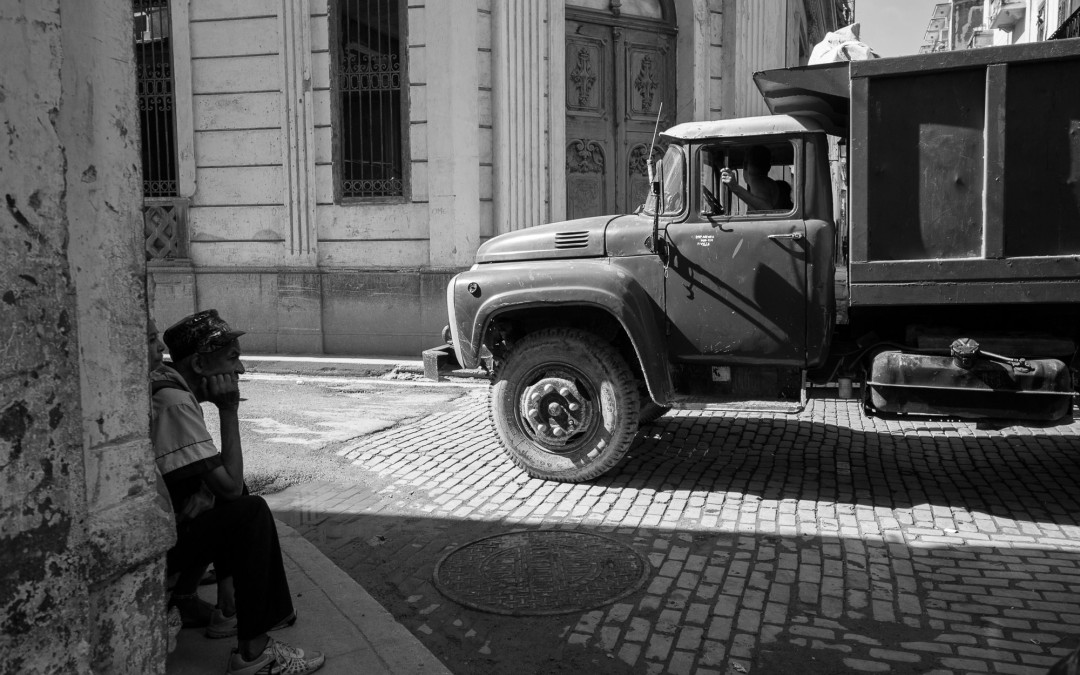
(369, 107)
(154, 82)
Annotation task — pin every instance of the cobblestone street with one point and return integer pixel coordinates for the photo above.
(824, 542)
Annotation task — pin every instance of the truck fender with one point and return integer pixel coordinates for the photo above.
(586, 283)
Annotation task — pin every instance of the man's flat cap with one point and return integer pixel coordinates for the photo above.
(201, 332)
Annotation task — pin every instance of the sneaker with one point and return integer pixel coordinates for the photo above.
(194, 611)
(277, 658)
(221, 626)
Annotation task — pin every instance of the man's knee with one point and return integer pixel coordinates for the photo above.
(251, 507)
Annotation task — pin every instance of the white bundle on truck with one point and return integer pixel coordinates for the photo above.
(842, 45)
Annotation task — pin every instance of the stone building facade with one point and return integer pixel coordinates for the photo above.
(82, 538)
(337, 161)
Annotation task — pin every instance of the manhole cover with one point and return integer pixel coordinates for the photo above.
(537, 572)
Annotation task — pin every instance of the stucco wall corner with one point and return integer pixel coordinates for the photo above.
(81, 536)
(129, 632)
(128, 536)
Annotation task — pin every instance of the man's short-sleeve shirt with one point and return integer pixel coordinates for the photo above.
(183, 448)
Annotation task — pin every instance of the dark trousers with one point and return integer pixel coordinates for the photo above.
(240, 534)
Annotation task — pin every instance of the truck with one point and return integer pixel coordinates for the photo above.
(925, 254)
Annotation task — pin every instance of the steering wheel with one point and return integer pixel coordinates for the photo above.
(714, 204)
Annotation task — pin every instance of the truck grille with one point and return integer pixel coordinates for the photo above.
(578, 239)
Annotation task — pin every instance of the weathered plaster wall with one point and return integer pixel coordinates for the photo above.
(81, 536)
(251, 163)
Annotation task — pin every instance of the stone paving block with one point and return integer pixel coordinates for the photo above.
(969, 665)
(658, 647)
(866, 666)
(639, 630)
(720, 629)
(742, 646)
(629, 653)
(894, 655)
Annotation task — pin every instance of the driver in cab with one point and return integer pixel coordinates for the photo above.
(761, 192)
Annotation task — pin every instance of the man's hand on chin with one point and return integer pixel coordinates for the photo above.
(223, 390)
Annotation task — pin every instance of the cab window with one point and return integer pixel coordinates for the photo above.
(754, 178)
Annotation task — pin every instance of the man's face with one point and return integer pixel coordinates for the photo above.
(753, 170)
(223, 361)
(154, 347)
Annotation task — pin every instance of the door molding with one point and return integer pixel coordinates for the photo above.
(638, 56)
(666, 24)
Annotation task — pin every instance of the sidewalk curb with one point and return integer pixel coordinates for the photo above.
(331, 366)
(360, 367)
(335, 616)
(374, 640)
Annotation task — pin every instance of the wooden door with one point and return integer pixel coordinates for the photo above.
(617, 75)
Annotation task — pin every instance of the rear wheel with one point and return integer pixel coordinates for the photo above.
(565, 405)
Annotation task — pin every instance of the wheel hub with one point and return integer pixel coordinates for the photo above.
(555, 410)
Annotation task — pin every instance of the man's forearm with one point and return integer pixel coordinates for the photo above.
(231, 454)
(749, 198)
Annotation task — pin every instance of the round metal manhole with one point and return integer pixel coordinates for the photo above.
(540, 572)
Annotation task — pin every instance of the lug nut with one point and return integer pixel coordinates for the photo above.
(541, 429)
(534, 413)
(574, 407)
(558, 431)
(548, 388)
(535, 398)
(565, 391)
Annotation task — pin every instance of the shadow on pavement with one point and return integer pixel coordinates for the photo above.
(777, 545)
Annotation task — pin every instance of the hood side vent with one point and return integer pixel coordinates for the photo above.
(575, 239)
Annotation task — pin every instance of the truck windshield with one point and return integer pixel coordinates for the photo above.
(672, 172)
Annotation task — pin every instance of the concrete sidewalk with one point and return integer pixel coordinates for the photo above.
(335, 616)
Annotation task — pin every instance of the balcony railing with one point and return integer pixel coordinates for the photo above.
(1070, 28)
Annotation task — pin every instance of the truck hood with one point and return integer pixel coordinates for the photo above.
(582, 238)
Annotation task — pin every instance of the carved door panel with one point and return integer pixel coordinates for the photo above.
(616, 78)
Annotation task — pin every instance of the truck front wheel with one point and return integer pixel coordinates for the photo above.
(565, 405)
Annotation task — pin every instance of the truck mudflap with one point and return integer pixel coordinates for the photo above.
(970, 385)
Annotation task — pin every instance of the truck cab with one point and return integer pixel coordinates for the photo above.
(748, 284)
(593, 326)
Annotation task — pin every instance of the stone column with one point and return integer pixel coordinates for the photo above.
(82, 535)
(453, 132)
(299, 284)
(529, 116)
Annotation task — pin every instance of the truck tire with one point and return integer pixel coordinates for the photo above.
(565, 405)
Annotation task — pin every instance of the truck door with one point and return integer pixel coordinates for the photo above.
(736, 284)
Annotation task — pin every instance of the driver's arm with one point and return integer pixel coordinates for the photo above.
(755, 202)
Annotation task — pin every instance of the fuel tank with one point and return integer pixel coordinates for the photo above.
(975, 387)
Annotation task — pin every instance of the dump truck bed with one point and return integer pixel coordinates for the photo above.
(964, 171)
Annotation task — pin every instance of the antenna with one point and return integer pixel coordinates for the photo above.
(654, 185)
(652, 146)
